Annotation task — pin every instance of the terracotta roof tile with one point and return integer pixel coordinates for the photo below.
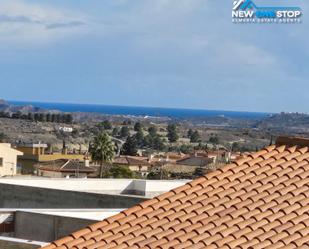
(260, 201)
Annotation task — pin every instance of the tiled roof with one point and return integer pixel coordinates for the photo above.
(260, 201)
(198, 161)
(126, 160)
(63, 165)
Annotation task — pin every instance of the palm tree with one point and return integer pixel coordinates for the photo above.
(102, 150)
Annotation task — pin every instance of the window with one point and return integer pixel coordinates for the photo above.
(1, 162)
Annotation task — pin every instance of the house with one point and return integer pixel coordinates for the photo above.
(8, 160)
(135, 164)
(65, 169)
(39, 152)
(260, 201)
(188, 164)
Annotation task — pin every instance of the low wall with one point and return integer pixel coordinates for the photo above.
(17, 196)
(47, 228)
(147, 188)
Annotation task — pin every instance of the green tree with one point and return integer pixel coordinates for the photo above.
(158, 143)
(124, 132)
(162, 174)
(190, 132)
(58, 118)
(214, 140)
(185, 148)
(129, 147)
(119, 172)
(42, 117)
(36, 117)
(127, 122)
(53, 118)
(139, 138)
(195, 137)
(138, 127)
(152, 131)
(102, 150)
(48, 117)
(68, 118)
(106, 125)
(115, 132)
(172, 133)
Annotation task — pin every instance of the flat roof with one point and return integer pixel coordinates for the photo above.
(146, 188)
(88, 214)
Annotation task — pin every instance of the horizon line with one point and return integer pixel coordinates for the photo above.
(136, 106)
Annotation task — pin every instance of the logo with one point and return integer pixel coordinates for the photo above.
(246, 11)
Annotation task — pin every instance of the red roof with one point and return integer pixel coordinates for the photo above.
(260, 201)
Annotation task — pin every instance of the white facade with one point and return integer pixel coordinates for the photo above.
(8, 160)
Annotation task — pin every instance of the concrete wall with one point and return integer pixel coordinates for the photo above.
(57, 174)
(111, 186)
(15, 196)
(154, 188)
(46, 228)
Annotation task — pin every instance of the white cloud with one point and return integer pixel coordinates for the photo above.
(23, 23)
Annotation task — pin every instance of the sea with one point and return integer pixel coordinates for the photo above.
(142, 111)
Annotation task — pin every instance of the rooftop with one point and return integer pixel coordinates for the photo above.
(63, 165)
(144, 188)
(260, 201)
(199, 161)
(128, 160)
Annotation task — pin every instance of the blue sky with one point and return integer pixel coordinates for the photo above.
(169, 53)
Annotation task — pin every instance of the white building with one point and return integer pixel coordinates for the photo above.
(8, 160)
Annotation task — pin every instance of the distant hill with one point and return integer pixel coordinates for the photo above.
(6, 107)
(3, 103)
(294, 122)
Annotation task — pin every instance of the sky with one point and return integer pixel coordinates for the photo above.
(163, 53)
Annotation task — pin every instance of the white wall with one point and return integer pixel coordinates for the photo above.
(9, 160)
(110, 186)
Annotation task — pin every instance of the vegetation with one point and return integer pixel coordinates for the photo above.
(129, 147)
(119, 172)
(190, 132)
(139, 138)
(172, 133)
(195, 137)
(214, 140)
(138, 127)
(244, 147)
(102, 150)
(160, 175)
(124, 132)
(106, 125)
(185, 148)
(40, 117)
(153, 140)
(115, 132)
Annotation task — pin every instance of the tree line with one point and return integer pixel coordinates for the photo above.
(40, 117)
